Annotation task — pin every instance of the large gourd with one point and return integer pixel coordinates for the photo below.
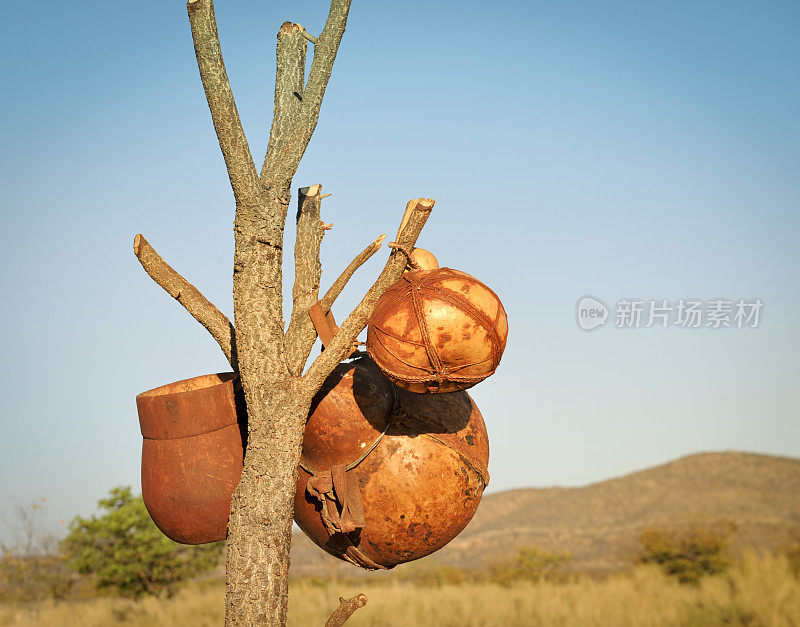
(388, 476)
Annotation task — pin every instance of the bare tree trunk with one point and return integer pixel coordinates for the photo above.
(271, 362)
(260, 527)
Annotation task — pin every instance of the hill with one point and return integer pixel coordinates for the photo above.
(599, 523)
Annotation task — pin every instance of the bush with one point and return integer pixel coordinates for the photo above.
(690, 552)
(126, 552)
(530, 564)
(432, 575)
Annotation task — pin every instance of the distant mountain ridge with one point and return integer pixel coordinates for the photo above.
(599, 523)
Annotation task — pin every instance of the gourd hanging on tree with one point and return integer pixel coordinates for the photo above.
(437, 331)
(387, 476)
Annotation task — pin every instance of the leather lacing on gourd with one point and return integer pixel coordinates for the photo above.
(418, 288)
(339, 493)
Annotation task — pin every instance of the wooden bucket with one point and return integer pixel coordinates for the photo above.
(192, 455)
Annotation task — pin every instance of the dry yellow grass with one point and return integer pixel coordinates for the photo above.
(758, 591)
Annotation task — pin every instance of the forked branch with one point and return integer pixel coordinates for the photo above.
(284, 165)
(342, 343)
(187, 295)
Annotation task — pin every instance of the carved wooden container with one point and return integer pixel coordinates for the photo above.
(192, 455)
(387, 476)
(437, 330)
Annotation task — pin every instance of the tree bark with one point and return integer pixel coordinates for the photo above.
(260, 526)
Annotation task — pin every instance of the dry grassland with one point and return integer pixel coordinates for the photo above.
(757, 591)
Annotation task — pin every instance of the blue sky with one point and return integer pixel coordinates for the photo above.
(618, 149)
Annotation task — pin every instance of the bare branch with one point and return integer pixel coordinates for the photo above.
(187, 295)
(307, 275)
(309, 36)
(289, 77)
(325, 49)
(306, 333)
(232, 141)
(339, 284)
(342, 344)
(347, 607)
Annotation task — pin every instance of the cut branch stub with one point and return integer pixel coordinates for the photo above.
(406, 215)
(289, 77)
(346, 609)
(307, 276)
(187, 295)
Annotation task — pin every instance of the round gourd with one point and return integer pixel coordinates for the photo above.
(387, 476)
(423, 259)
(438, 330)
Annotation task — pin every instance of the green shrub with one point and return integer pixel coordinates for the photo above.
(689, 552)
(530, 564)
(126, 552)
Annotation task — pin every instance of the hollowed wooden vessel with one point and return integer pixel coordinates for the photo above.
(192, 455)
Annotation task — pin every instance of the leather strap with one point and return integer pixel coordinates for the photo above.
(334, 486)
(326, 326)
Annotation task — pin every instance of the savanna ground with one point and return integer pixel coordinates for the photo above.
(758, 589)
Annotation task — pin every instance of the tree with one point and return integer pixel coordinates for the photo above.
(30, 566)
(689, 552)
(125, 551)
(271, 361)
